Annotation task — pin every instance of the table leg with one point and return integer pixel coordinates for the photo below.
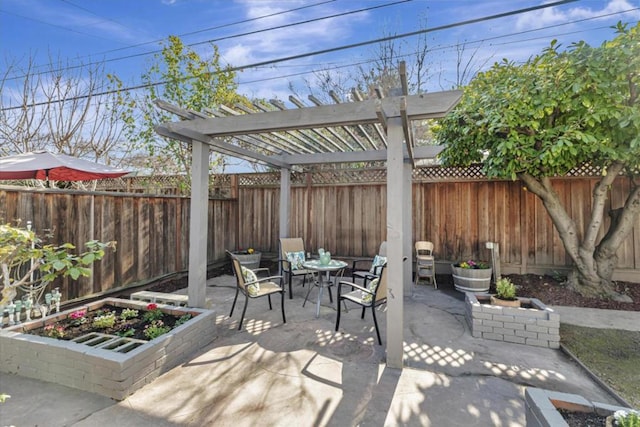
(320, 284)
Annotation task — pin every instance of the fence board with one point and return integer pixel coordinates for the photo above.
(348, 219)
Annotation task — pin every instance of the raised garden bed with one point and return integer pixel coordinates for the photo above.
(109, 365)
(532, 324)
(543, 408)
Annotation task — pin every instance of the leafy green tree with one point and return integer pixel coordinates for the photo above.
(179, 76)
(560, 110)
(22, 255)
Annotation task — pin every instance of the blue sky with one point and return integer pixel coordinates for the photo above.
(84, 31)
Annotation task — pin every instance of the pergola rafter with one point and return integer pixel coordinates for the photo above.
(301, 140)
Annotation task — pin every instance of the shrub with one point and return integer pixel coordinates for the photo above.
(505, 289)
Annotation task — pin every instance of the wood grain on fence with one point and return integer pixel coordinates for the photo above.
(347, 219)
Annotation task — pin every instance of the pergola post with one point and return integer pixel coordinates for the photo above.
(198, 219)
(407, 226)
(285, 201)
(395, 242)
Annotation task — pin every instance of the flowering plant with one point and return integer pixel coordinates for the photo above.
(153, 313)
(54, 331)
(630, 418)
(247, 251)
(471, 264)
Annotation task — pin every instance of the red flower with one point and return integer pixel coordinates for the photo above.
(152, 306)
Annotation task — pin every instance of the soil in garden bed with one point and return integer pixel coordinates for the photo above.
(583, 419)
(132, 328)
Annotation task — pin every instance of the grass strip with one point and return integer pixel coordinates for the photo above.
(613, 355)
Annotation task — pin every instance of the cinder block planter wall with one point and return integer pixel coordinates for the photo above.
(541, 407)
(97, 370)
(536, 326)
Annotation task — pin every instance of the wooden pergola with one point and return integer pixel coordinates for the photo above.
(359, 131)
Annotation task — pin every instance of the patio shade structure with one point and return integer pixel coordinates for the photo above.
(359, 131)
(47, 166)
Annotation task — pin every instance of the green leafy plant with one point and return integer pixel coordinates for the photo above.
(105, 321)
(183, 319)
(127, 333)
(22, 253)
(505, 289)
(155, 329)
(624, 418)
(4, 397)
(128, 313)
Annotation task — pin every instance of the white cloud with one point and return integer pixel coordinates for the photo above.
(556, 15)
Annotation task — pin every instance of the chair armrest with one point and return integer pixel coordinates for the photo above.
(263, 279)
(261, 270)
(353, 285)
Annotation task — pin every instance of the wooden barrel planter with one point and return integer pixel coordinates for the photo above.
(471, 279)
(250, 261)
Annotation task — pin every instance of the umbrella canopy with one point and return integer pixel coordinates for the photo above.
(56, 167)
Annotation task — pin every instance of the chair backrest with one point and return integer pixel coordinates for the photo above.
(237, 270)
(382, 251)
(381, 290)
(290, 244)
(424, 248)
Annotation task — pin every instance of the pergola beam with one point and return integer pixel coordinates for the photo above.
(231, 150)
(425, 106)
(424, 152)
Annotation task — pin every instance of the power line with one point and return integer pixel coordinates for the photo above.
(319, 52)
(53, 25)
(218, 39)
(451, 46)
(94, 13)
(244, 21)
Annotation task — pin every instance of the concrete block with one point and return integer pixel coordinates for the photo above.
(514, 339)
(503, 318)
(526, 334)
(548, 337)
(504, 331)
(547, 323)
(514, 325)
(536, 328)
(493, 324)
(492, 336)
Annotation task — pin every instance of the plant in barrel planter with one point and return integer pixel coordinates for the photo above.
(505, 294)
(471, 276)
(249, 258)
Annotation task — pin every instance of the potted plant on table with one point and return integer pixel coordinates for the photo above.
(471, 276)
(505, 294)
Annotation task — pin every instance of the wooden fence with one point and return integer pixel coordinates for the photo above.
(344, 212)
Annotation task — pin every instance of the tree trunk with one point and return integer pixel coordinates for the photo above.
(590, 284)
(593, 266)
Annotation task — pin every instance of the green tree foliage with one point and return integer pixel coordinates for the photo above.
(559, 110)
(179, 76)
(22, 255)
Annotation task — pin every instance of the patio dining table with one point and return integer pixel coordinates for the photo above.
(315, 264)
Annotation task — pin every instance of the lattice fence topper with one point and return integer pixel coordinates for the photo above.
(220, 184)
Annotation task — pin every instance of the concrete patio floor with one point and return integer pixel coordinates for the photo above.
(304, 373)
